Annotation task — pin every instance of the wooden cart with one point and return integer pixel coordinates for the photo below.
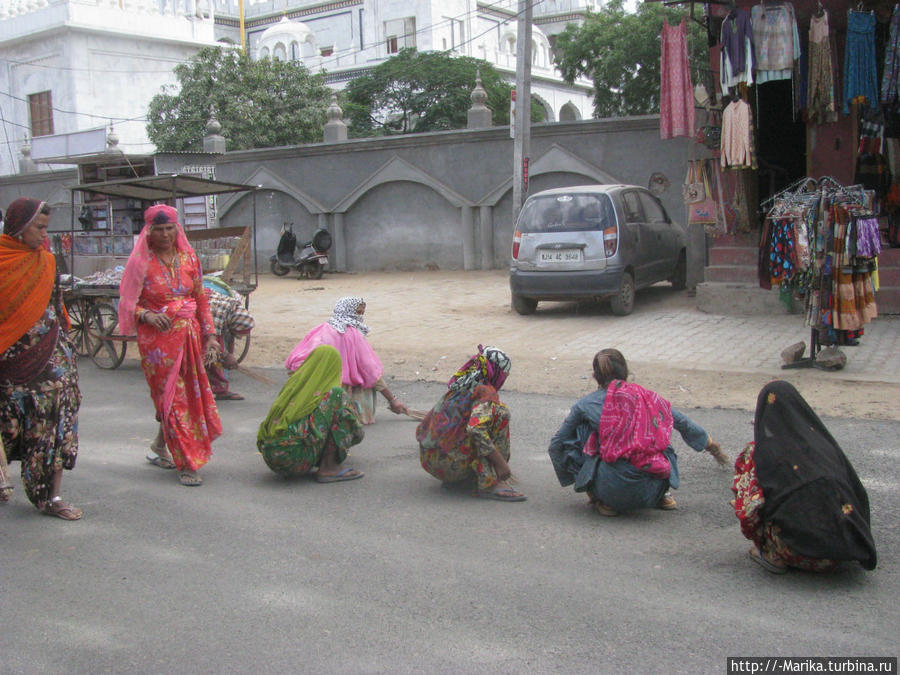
(93, 308)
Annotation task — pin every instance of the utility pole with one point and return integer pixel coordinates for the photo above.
(243, 34)
(522, 140)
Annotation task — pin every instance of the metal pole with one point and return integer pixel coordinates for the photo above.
(243, 37)
(522, 141)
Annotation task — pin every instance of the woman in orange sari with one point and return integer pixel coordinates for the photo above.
(161, 298)
(39, 394)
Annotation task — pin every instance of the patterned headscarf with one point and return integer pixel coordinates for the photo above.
(20, 214)
(489, 366)
(345, 315)
(136, 268)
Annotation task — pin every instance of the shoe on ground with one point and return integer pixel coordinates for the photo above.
(667, 503)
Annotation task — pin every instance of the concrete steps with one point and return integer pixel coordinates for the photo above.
(731, 284)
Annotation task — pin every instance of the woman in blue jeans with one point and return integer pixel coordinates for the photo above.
(615, 443)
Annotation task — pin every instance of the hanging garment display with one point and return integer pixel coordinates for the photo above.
(676, 99)
(737, 136)
(890, 78)
(820, 103)
(736, 58)
(860, 71)
(822, 243)
(775, 40)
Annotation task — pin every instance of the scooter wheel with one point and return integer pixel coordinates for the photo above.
(278, 269)
(314, 270)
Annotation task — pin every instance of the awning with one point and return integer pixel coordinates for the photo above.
(166, 186)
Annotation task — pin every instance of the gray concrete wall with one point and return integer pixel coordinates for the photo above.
(437, 200)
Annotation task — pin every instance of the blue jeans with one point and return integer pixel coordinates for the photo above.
(621, 486)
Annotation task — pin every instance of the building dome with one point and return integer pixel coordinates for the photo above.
(287, 41)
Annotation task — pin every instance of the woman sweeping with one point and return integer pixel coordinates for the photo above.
(614, 444)
(361, 369)
(466, 435)
(162, 298)
(312, 423)
(39, 394)
(796, 494)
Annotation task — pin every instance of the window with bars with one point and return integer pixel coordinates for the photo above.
(40, 106)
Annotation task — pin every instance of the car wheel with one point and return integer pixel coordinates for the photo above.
(278, 269)
(622, 303)
(524, 305)
(679, 276)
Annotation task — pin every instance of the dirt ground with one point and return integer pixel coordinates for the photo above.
(426, 324)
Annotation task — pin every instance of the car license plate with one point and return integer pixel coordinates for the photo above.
(563, 255)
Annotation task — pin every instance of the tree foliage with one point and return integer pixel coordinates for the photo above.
(620, 52)
(260, 104)
(416, 91)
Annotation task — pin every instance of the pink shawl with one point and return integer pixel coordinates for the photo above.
(136, 267)
(636, 425)
(360, 365)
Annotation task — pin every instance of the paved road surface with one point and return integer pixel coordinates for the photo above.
(391, 574)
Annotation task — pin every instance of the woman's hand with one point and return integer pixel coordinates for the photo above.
(501, 466)
(211, 349)
(397, 407)
(715, 450)
(158, 320)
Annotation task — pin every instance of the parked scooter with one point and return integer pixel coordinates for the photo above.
(312, 259)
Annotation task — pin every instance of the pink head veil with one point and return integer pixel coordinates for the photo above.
(136, 268)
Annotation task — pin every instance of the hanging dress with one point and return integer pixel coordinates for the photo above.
(860, 72)
(775, 40)
(676, 100)
(736, 56)
(820, 92)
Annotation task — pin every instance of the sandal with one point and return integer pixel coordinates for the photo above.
(229, 396)
(57, 507)
(190, 479)
(502, 494)
(346, 473)
(160, 461)
(767, 565)
(6, 489)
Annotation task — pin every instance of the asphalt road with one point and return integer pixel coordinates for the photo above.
(252, 573)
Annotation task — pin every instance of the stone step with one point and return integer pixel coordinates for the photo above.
(742, 274)
(733, 255)
(736, 299)
(888, 276)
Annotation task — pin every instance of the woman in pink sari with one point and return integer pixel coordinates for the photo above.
(361, 369)
(162, 300)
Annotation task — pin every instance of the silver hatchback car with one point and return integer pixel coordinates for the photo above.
(593, 241)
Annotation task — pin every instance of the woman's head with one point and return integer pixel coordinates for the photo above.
(348, 311)
(27, 220)
(162, 226)
(609, 365)
(489, 366)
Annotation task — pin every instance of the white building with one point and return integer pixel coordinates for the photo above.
(73, 65)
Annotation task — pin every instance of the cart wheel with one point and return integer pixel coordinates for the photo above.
(238, 345)
(102, 322)
(78, 332)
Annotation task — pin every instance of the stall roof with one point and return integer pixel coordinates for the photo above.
(166, 186)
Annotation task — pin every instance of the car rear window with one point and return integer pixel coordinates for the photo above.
(567, 213)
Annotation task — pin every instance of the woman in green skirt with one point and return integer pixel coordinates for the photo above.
(312, 422)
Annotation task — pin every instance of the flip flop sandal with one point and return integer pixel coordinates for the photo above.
(346, 473)
(62, 509)
(6, 490)
(161, 462)
(229, 396)
(190, 479)
(756, 555)
(506, 494)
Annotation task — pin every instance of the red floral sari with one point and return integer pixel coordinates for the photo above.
(172, 360)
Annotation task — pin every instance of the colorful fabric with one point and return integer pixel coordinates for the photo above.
(360, 365)
(890, 78)
(135, 275)
(228, 314)
(775, 40)
(860, 71)
(173, 360)
(27, 276)
(636, 425)
(676, 101)
(810, 490)
(736, 55)
(460, 432)
(332, 426)
(489, 366)
(766, 536)
(39, 418)
(782, 257)
(319, 373)
(737, 139)
(853, 301)
(346, 314)
(20, 214)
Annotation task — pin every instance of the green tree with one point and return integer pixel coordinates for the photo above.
(620, 52)
(416, 91)
(260, 104)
